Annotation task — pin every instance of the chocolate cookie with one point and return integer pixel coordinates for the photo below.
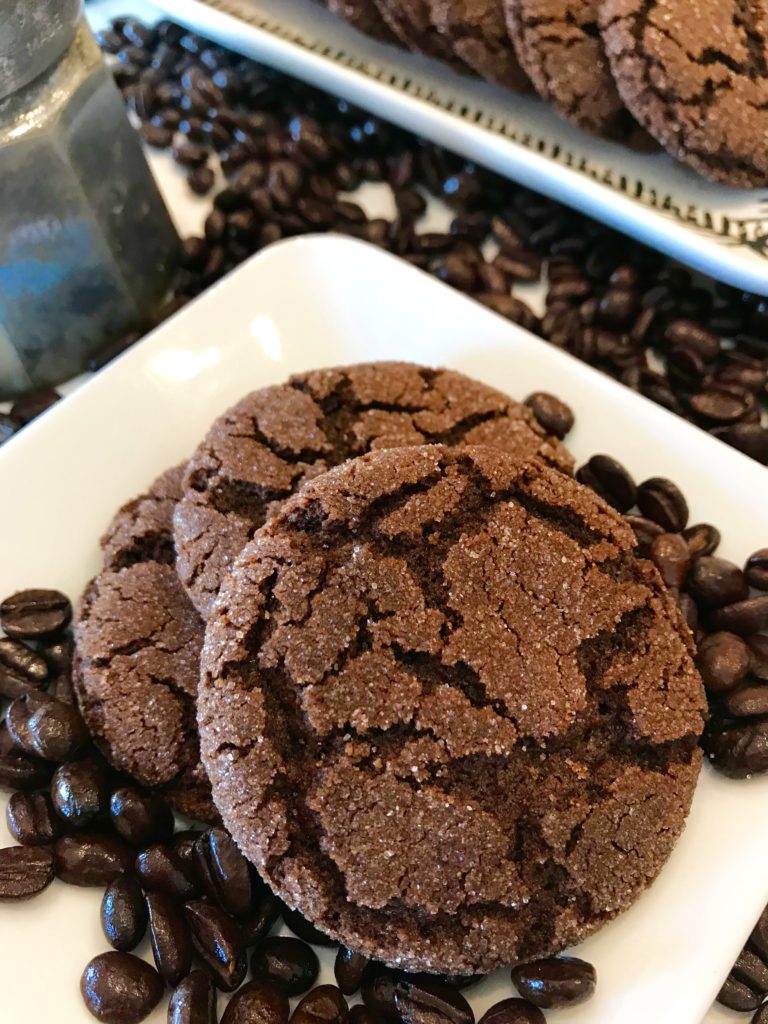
(363, 15)
(695, 74)
(411, 23)
(259, 453)
(477, 33)
(446, 712)
(559, 46)
(137, 654)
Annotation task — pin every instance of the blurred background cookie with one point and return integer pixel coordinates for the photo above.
(411, 23)
(477, 33)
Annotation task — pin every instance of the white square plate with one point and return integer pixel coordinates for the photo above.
(323, 301)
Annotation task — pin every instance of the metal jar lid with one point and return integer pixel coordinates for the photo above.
(33, 36)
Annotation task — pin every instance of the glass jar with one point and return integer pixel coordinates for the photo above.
(87, 247)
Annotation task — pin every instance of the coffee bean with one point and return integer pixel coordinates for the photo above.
(193, 1000)
(749, 438)
(360, 1014)
(305, 930)
(24, 872)
(758, 653)
(17, 718)
(513, 1011)
(720, 406)
(124, 913)
(289, 963)
(761, 1017)
(264, 912)
(26, 409)
(702, 539)
(610, 480)
(169, 935)
(20, 660)
(758, 939)
(663, 502)
(201, 180)
(685, 369)
(511, 307)
(756, 569)
(31, 614)
(119, 988)
(161, 869)
(219, 942)
(672, 558)
(323, 1005)
(723, 660)
(349, 969)
(715, 582)
(618, 308)
(737, 996)
(52, 730)
(518, 264)
(223, 871)
(747, 702)
(91, 859)
(31, 819)
(557, 981)
(425, 1001)
(743, 617)
(378, 994)
(750, 969)
(694, 336)
(183, 845)
(258, 1002)
(552, 413)
(79, 792)
(140, 818)
(737, 749)
(646, 531)
(17, 771)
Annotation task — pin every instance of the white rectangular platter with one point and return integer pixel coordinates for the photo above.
(720, 231)
(324, 301)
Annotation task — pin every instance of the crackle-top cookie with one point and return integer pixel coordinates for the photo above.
(477, 33)
(260, 452)
(446, 712)
(695, 74)
(411, 23)
(137, 654)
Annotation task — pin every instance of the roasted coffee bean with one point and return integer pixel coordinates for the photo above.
(518, 264)
(170, 938)
(360, 1014)
(349, 969)
(323, 1005)
(193, 1001)
(378, 993)
(46, 727)
(124, 913)
(720, 406)
(140, 818)
(157, 136)
(690, 610)
(761, 1017)
(201, 180)
(91, 859)
(79, 792)
(26, 409)
(737, 749)
(756, 569)
(672, 558)
(749, 438)
(702, 539)
(32, 614)
(183, 845)
(694, 336)
(750, 969)
(458, 272)
(258, 1002)
(737, 996)
(511, 307)
(747, 702)
(219, 942)
(161, 869)
(18, 771)
(609, 479)
(20, 660)
(119, 988)
(758, 939)
(24, 872)
(743, 617)
(289, 963)
(349, 212)
(723, 659)
(557, 981)
(552, 413)
(646, 531)
(305, 930)
(492, 279)
(223, 872)
(264, 912)
(685, 369)
(618, 308)
(420, 1002)
(513, 1011)
(758, 653)
(715, 582)
(663, 502)
(31, 819)
(410, 203)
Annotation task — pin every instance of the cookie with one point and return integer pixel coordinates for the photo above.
(695, 74)
(410, 22)
(446, 712)
(477, 33)
(559, 46)
(257, 454)
(364, 16)
(137, 654)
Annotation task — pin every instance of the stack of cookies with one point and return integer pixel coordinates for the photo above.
(417, 670)
(690, 74)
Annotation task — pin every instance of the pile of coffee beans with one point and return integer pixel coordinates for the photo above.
(208, 915)
(292, 156)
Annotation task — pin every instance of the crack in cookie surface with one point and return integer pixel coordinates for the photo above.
(449, 649)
